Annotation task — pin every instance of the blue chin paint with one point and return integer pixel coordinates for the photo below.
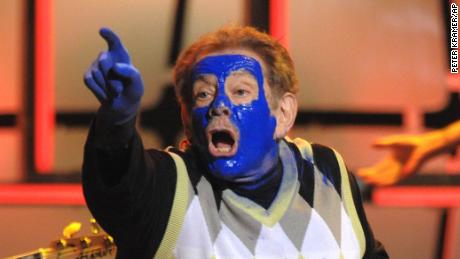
(257, 149)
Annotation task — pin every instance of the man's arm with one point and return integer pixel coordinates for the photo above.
(118, 86)
(127, 189)
(130, 192)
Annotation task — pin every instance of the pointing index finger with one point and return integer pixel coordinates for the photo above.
(115, 46)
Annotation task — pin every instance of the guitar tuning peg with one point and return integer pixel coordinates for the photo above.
(85, 242)
(61, 244)
(95, 227)
(71, 229)
(108, 241)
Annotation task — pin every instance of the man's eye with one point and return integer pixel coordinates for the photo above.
(203, 95)
(241, 92)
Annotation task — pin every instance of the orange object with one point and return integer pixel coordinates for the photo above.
(44, 87)
(41, 194)
(438, 197)
(279, 21)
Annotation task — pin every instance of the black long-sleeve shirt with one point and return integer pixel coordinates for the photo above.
(130, 191)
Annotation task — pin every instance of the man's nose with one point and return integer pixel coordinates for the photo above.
(220, 110)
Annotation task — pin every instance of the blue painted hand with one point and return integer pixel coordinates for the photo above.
(115, 82)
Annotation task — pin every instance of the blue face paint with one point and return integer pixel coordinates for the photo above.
(257, 149)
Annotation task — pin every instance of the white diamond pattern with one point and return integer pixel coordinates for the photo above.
(229, 246)
(274, 243)
(350, 245)
(319, 242)
(194, 240)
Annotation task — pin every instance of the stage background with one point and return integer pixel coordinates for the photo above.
(366, 69)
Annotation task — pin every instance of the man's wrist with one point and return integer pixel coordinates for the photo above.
(112, 136)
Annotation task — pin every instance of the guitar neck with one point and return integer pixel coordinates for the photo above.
(69, 253)
(37, 254)
(75, 248)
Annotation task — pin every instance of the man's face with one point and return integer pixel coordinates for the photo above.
(231, 120)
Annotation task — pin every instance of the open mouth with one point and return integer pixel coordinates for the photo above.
(222, 143)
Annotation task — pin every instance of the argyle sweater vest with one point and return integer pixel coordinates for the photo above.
(313, 214)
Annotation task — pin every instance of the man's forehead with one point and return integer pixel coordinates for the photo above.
(227, 63)
(242, 73)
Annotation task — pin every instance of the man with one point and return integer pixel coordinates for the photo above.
(238, 188)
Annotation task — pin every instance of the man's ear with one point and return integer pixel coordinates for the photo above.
(186, 122)
(285, 114)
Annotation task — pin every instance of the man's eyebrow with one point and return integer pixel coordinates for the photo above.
(241, 72)
(244, 74)
(204, 79)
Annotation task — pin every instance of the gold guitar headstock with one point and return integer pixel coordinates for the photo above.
(96, 245)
